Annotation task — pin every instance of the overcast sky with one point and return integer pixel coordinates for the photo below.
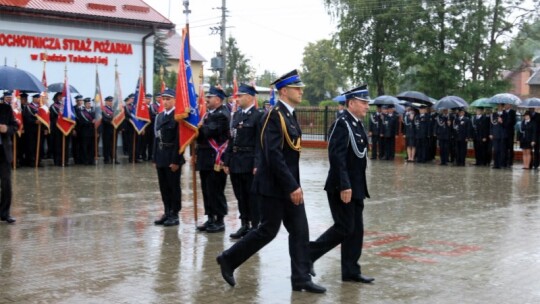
(272, 34)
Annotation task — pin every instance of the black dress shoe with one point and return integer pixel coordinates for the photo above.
(240, 233)
(217, 226)
(116, 162)
(161, 221)
(309, 287)
(171, 222)
(359, 278)
(206, 224)
(226, 270)
(9, 219)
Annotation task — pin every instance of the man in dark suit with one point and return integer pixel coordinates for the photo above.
(168, 160)
(211, 143)
(277, 181)
(346, 187)
(535, 119)
(422, 125)
(8, 127)
(375, 127)
(107, 131)
(390, 123)
(498, 134)
(86, 118)
(240, 160)
(147, 140)
(462, 126)
(32, 131)
(442, 131)
(480, 124)
(510, 135)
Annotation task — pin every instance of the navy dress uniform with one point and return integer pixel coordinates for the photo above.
(463, 128)
(498, 134)
(422, 126)
(32, 131)
(443, 128)
(211, 144)
(56, 135)
(86, 118)
(6, 157)
(510, 137)
(167, 152)
(375, 128)
(107, 131)
(347, 153)
(390, 123)
(147, 140)
(480, 124)
(276, 179)
(241, 160)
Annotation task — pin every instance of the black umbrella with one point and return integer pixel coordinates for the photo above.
(450, 102)
(385, 100)
(414, 96)
(59, 87)
(17, 79)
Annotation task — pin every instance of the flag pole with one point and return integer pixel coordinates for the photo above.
(114, 146)
(95, 128)
(63, 150)
(15, 151)
(134, 147)
(39, 125)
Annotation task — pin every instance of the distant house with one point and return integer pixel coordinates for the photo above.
(174, 43)
(534, 83)
(525, 79)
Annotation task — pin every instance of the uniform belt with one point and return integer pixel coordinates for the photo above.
(163, 145)
(243, 149)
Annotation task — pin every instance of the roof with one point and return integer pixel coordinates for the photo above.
(125, 12)
(535, 78)
(174, 43)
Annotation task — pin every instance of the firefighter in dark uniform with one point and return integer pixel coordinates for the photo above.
(31, 123)
(498, 134)
(86, 120)
(510, 135)
(390, 123)
(277, 181)
(432, 140)
(107, 131)
(535, 119)
(147, 142)
(346, 187)
(442, 130)
(56, 135)
(375, 127)
(130, 132)
(409, 133)
(462, 126)
(76, 139)
(480, 124)
(211, 144)
(8, 127)
(422, 126)
(168, 160)
(240, 160)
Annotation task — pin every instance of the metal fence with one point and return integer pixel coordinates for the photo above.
(315, 121)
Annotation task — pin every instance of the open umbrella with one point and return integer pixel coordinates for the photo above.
(385, 100)
(17, 79)
(414, 96)
(482, 103)
(505, 98)
(531, 103)
(59, 87)
(450, 102)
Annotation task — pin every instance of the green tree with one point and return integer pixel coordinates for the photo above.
(236, 62)
(266, 78)
(161, 54)
(322, 71)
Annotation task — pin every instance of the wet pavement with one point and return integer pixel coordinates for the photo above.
(433, 235)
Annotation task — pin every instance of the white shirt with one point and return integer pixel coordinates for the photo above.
(355, 118)
(169, 111)
(288, 106)
(247, 110)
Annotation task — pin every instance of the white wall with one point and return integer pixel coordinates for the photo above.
(80, 75)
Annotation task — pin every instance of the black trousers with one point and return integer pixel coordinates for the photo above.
(273, 212)
(375, 143)
(509, 153)
(444, 150)
(389, 147)
(536, 155)
(421, 150)
(107, 141)
(213, 189)
(480, 152)
(452, 150)
(171, 194)
(499, 149)
(87, 150)
(461, 153)
(247, 202)
(348, 230)
(147, 143)
(5, 185)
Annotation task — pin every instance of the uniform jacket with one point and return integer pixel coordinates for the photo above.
(498, 130)
(527, 132)
(480, 127)
(389, 125)
(85, 120)
(408, 126)
(463, 128)
(347, 170)
(7, 118)
(422, 125)
(375, 124)
(215, 126)
(442, 128)
(511, 122)
(166, 144)
(240, 155)
(278, 174)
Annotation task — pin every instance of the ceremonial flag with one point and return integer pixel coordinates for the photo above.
(98, 102)
(17, 112)
(139, 118)
(118, 103)
(272, 96)
(186, 100)
(160, 100)
(66, 122)
(43, 110)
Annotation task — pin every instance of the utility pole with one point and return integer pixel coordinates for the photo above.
(223, 74)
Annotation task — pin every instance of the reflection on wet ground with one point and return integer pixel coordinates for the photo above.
(434, 235)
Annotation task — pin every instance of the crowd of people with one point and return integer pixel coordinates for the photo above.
(493, 132)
